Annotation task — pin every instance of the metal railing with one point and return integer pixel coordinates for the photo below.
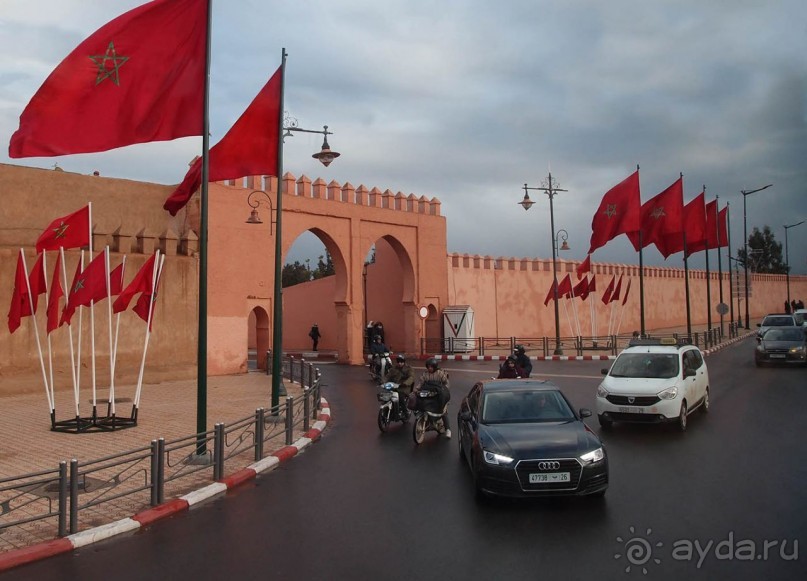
(61, 500)
(577, 345)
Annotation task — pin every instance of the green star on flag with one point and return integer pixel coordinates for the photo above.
(101, 62)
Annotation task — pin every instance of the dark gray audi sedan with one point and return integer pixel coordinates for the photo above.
(522, 438)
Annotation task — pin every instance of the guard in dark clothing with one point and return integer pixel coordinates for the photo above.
(523, 360)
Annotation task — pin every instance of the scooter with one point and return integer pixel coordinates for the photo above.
(379, 364)
(429, 413)
(393, 407)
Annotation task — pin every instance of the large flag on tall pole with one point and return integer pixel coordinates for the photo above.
(138, 78)
(249, 148)
(619, 212)
(661, 215)
(56, 293)
(694, 229)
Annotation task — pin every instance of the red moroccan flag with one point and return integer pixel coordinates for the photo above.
(551, 294)
(722, 228)
(618, 212)
(711, 241)
(19, 297)
(88, 287)
(116, 280)
(617, 290)
(56, 293)
(627, 291)
(584, 267)
(694, 227)
(37, 282)
(142, 282)
(71, 231)
(565, 287)
(592, 284)
(581, 289)
(661, 215)
(248, 148)
(138, 78)
(606, 296)
(148, 298)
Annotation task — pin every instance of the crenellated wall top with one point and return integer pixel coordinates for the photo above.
(346, 193)
(508, 263)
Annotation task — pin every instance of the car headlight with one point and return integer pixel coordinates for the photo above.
(601, 391)
(498, 459)
(593, 456)
(669, 393)
(760, 348)
(797, 350)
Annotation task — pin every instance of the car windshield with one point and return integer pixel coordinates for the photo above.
(658, 365)
(523, 406)
(777, 322)
(784, 334)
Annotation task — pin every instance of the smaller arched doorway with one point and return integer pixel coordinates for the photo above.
(258, 339)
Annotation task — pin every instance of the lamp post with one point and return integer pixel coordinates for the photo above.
(787, 259)
(550, 190)
(735, 288)
(325, 156)
(745, 194)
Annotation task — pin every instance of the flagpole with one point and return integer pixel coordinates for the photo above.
(731, 284)
(70, 339)
(111, 395)
(277, 301)
(50, 348)
(155, 278)
(201, 354)
(708, 282)
(641, 278)
(114, 358)
(36, 333)
(719, 265)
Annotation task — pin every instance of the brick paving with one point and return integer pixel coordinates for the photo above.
(167, 410)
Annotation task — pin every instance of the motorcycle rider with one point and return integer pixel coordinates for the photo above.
(510, 369)
(402, 374)
(434, 374)
(377, 351)
(523, 360)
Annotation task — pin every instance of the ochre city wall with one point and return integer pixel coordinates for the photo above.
(507, 295)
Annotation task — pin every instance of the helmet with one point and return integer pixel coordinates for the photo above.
(376, 337)
(520, 349)
(400, 358)
(511, 358)
(432, 362)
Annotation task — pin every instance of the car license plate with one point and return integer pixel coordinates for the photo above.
(545, 477)
(777, 355)
(631, 410)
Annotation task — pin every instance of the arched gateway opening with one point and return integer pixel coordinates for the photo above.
(410, 270)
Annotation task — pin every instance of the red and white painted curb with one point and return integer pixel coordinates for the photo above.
(17, 557)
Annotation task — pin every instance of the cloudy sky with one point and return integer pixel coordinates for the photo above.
(466, 100)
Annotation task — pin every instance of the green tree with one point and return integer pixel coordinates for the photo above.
(764, 253)
(294, 274)
(324, 267)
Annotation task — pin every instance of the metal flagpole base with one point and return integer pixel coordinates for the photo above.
(94, 423)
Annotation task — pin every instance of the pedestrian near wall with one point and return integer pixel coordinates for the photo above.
(315, 335)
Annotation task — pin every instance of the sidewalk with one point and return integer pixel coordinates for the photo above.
(167, 410)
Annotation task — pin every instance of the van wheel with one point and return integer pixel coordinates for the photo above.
(605, 423)
(682, 417)
(706, 404)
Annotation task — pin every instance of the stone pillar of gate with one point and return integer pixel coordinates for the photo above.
(412, 325)
(348, 342)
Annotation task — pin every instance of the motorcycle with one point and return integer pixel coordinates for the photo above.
(429, 412)
(379, 364)
(393, 406)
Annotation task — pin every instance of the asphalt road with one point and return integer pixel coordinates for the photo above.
(725, 500)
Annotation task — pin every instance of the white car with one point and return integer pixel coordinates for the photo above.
(654, 381)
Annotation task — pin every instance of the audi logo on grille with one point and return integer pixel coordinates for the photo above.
(551, 465)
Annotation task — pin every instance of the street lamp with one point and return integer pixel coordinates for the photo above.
(254, 218)
(550, 190)
(787, 259)
(735, 288)
(745, 194)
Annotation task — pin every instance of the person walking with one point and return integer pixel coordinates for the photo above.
(315, 335)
